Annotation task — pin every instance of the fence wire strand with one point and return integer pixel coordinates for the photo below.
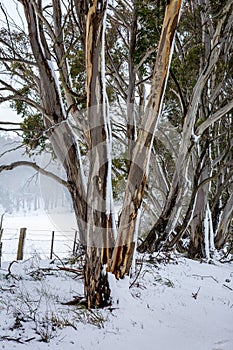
(54, 237)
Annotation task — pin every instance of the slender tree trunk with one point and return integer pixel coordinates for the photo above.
(125, 244)
(224, 228)
(131, 118)
(100, 220)
(197, 241)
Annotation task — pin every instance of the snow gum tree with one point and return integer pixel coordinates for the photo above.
(53, 70)
(201, 74)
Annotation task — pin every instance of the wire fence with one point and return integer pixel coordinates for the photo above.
(23, 243)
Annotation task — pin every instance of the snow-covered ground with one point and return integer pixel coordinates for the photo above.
(39, 233)
(173, 305)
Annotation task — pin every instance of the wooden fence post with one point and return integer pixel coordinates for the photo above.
(22, 236)
(75, 242)
(52, 243)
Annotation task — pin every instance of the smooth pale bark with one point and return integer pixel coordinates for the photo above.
(201, 236)
(224, 227)
(92, 210)
(214, 118)
(131, 119)
(168, 219)
(100, 223)
(125, 244)
(197, 242)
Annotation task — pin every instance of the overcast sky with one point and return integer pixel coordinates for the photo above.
(7, 114)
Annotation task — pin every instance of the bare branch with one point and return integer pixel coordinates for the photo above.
(37, 168)
(215, 117)
(13, 129)
(9, 123)
(119, 15)
(22, 98)
(17, 96)
(180, 93)
(11, 150)
(144, 58)
(30, 79)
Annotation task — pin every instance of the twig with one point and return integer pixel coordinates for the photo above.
(11, 150)
(30, 339)
(224, 285)
(7, 289)
(227, 254)
(206, 277)
(59, 259)
(194, 295)
(9, 270)
(78, 300)
(18, 340)
(41, 270)
(226, 261)
(76, 271)
(131, 285)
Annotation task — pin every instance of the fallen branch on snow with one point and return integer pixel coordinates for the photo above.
(202, 277)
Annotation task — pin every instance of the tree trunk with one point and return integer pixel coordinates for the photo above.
(226, 221)
(100, 219)
(125, 244)
(197, 243)
(96, 286)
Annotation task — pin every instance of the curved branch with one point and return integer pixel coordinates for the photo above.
(35, 167)
(24, 99)
(180, 93)
(215, 117)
